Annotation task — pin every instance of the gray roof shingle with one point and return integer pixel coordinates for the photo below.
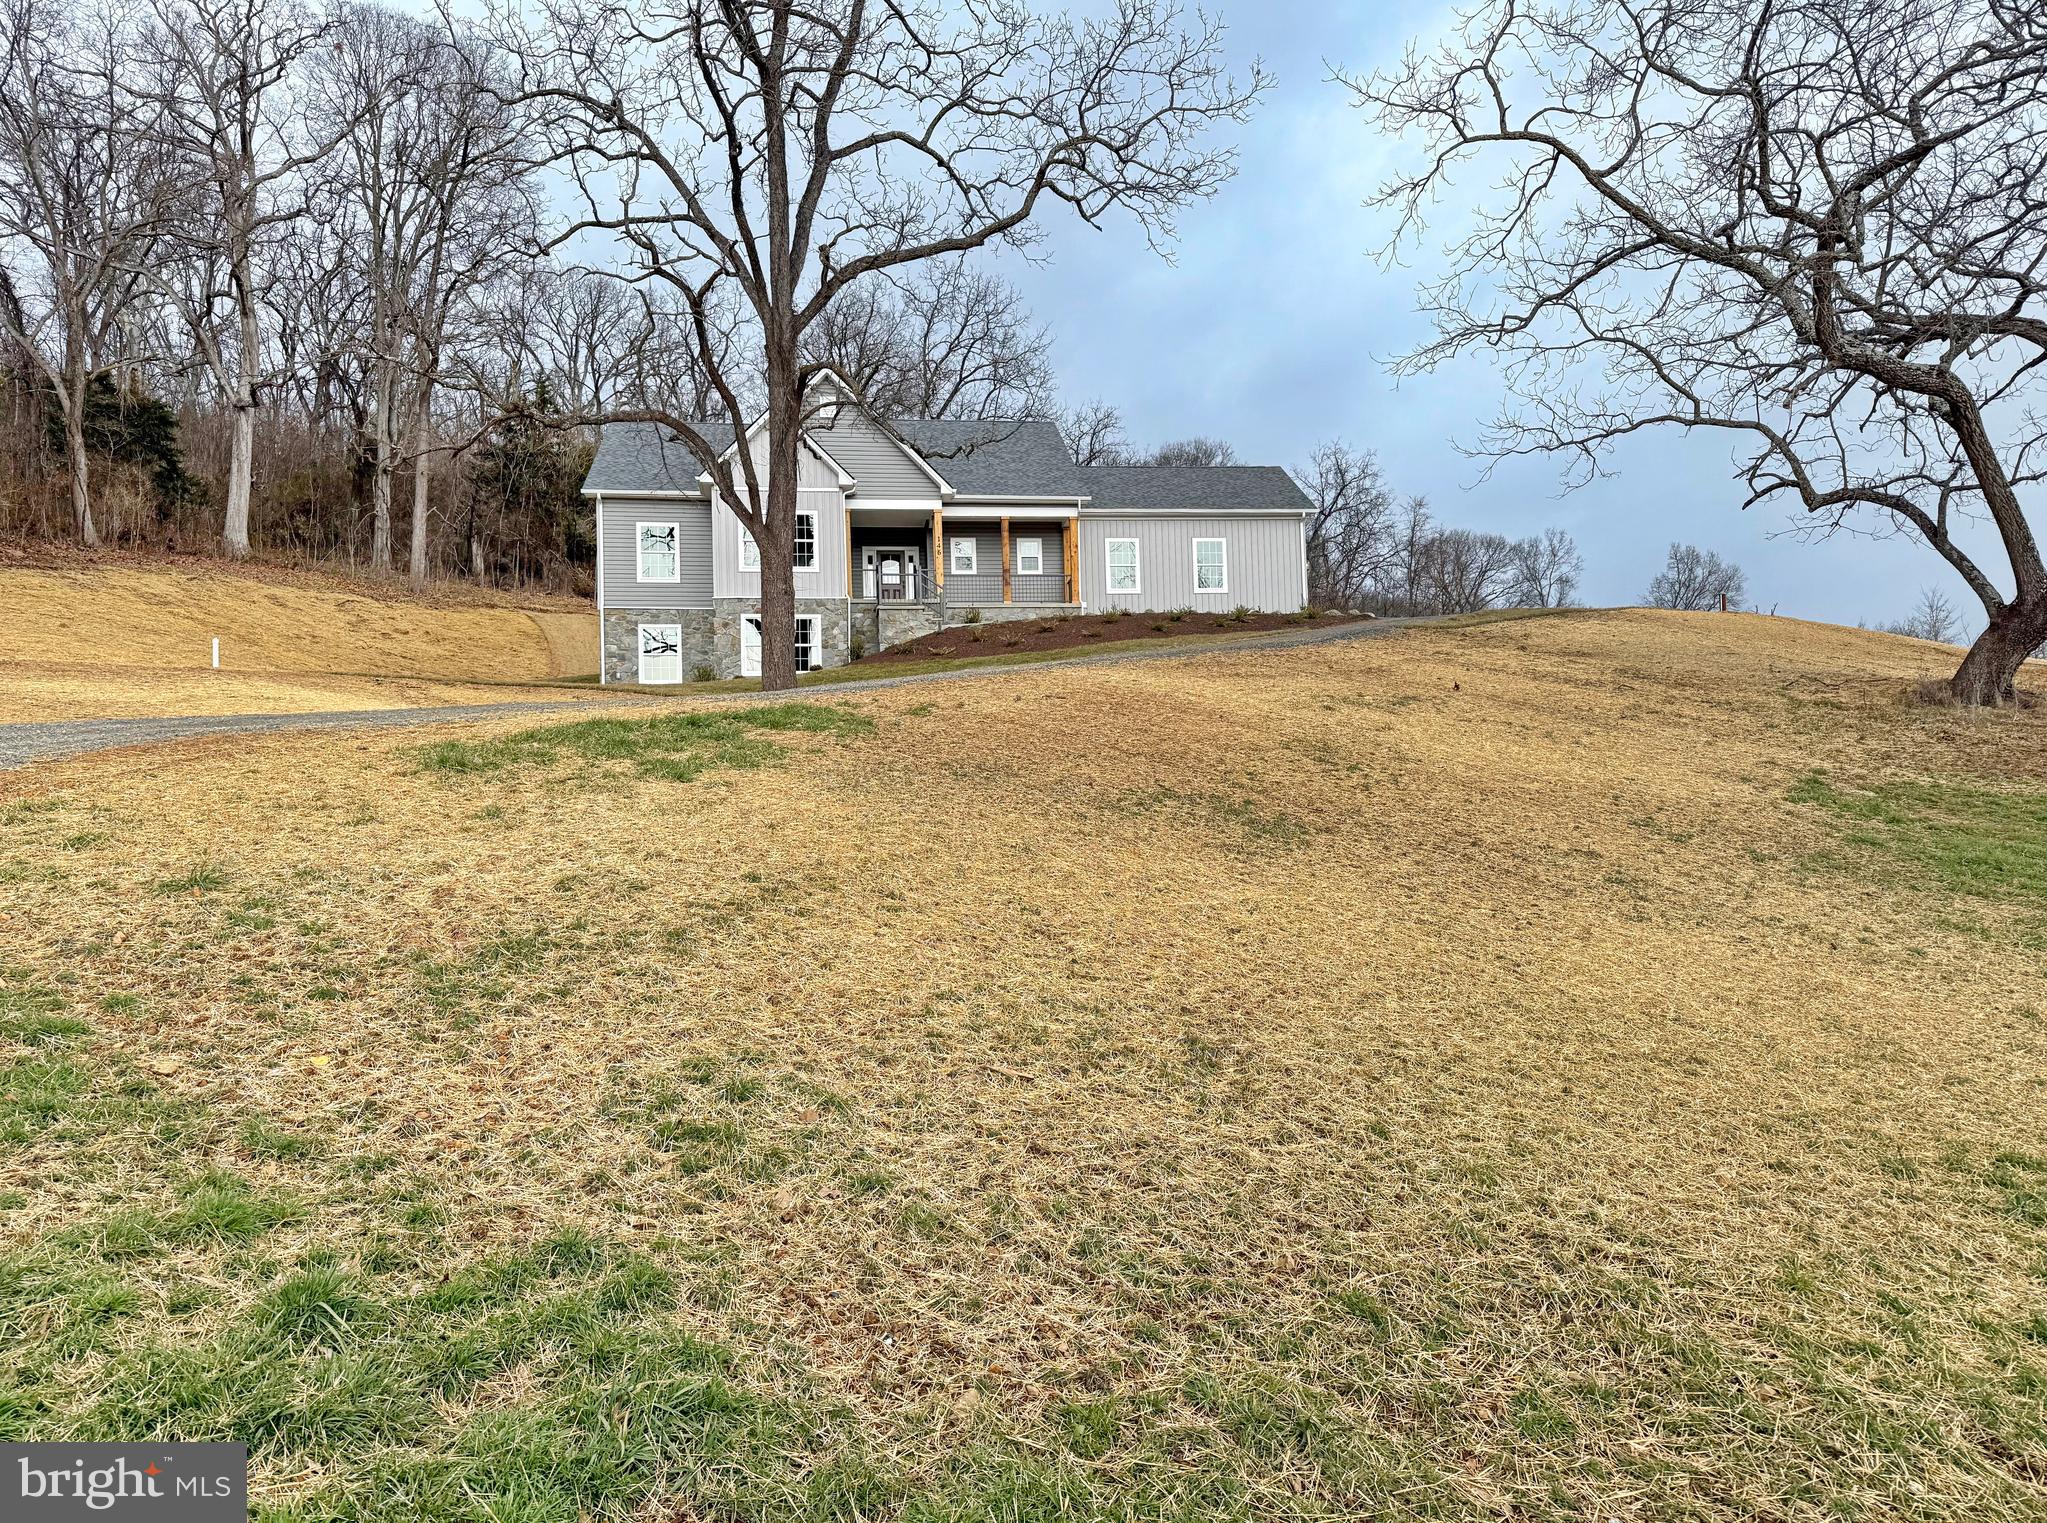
(1192, 488)
(993, 459)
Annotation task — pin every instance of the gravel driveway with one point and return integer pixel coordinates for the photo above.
(21, 744)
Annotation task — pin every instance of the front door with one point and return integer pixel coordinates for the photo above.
(888, 572)
(749, 646)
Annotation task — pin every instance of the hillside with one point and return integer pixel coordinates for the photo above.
(1580, 1067)
(137, 638)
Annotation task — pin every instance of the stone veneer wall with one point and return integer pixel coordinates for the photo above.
(1007, 613)
(622, 640)
(833, 630)
(901, 622)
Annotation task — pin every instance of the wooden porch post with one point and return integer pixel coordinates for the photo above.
(1069, 533)
(1005, 558)
(938, 548)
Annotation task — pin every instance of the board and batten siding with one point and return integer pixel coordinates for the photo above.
(1265, 562)
(619, 552)
(817, 491)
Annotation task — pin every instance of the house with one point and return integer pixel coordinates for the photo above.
(905, 528)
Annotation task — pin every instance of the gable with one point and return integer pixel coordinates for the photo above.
(878, 463)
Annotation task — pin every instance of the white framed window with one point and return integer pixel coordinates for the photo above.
(803, 554)
(659, 560)
(1030, 557)
(966, 555)
(1211, 566)
(660, 653)
(809, 644)
(1122, 563)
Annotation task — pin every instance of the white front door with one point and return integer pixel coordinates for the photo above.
(750, 646)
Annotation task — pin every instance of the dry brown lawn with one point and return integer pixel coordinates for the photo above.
(1463, 1074)
(161, 618)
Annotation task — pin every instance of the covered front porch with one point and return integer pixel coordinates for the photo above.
(961, 560)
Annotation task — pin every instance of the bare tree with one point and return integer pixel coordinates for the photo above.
(224, 81)
(1093, 433)
(435, 161)
(1934, 619)
(796, 154)
(1547, 570)
(1464, 571)
(1351, 543)
(941, 341)
(1695, 580)
(84, 197)
(1814, 225)
(1195, 451)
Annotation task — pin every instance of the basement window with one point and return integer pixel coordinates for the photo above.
(660, 653)
(809, 649)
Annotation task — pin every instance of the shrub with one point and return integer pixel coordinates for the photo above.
(703, 674)
(858, 648)
(1238, 614)
(972, 616)
(1178, 614)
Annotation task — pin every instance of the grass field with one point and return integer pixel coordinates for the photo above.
(1590, 1067)
(116, 642)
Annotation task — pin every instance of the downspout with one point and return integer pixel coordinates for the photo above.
(597, 519)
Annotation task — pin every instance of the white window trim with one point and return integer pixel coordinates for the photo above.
(968, 543)
(640, 636)
(816, 624)
(1037, 549)
(750, 552)
(640, 526)
(1136, 587)
(1224, 546)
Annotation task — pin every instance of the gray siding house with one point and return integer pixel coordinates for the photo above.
(908, 527)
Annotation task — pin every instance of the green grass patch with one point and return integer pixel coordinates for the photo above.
(670, 747)
(1969, 840)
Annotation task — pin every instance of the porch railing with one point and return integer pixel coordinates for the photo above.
(905, 586)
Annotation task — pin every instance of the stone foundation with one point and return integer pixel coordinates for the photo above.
(710, 636)
(621, 628)
(834, 631)
(900, 622)
(1006, 613)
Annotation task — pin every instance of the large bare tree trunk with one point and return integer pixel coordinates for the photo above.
(81, 479)
(234, 525)
(422, 478)
(1989, 673)
(380, 479)
(241, 470)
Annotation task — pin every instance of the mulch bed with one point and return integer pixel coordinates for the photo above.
(1072, 630)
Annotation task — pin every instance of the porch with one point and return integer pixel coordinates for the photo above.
(958, 561)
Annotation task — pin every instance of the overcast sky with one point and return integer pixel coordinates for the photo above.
(1272, 329)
